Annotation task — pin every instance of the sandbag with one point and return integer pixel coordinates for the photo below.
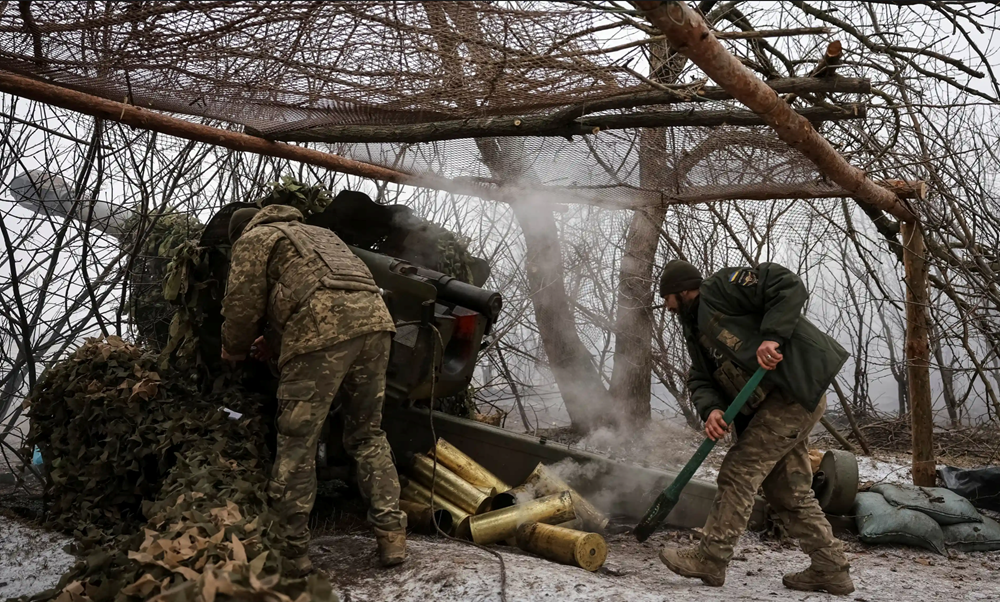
(879, 522)
(944, 506)
(981, 486)
(974, 537)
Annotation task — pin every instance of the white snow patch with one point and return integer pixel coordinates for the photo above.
(882, 471)
(446, 571)
(31, 559)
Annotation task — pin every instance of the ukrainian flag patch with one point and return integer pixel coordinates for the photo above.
(744, 277)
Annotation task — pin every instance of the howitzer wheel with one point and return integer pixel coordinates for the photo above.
(837, 490)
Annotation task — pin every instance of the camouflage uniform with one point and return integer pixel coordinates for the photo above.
(738, 309)
(335, 330)
(771, 452)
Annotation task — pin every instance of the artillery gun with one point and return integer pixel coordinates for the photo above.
(424, 303)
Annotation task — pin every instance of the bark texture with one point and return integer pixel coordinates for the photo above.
(918, 355)
(689, 34)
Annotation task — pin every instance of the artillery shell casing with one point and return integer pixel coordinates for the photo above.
(421, 517)
(465, 467)
(499, 525)
(546, 482)
(490, 491)
(577, 548)
(415, 492)
(506, 499)
(451, 486)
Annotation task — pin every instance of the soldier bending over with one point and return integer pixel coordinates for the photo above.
(335, 334)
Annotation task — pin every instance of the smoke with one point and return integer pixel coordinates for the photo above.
(525, 495)
(624, 491)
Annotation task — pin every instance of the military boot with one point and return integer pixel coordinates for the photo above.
(835, 581)
(690, 562)
(296, 568)
(391, 546)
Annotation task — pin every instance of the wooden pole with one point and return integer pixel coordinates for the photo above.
(689, 34)
(862, 441)
(165, 124)
(557, 125)
(841, 439)
(173, 126)
(918, 354)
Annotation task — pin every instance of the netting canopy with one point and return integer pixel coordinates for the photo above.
(565, 104)
(311, 71)
(293, 65)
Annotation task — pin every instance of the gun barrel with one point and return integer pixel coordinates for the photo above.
(488, 303)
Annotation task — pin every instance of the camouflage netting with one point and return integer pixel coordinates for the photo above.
(163, 237)
(164, 489)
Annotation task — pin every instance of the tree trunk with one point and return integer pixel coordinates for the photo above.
(630, 389)
(918, 355)
(580, 384)
(947, 377)
(631, 374)
(862, 441)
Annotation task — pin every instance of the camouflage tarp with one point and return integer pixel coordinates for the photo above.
(163, 488)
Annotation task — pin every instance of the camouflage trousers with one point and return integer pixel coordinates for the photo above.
(771, 453)
(307, 388)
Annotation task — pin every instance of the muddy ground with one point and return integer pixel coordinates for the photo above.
(32, 559)
(448, 571)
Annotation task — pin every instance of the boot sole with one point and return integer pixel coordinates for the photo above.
(707, 579)
(836, 590)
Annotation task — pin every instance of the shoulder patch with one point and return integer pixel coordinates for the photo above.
(744, 277)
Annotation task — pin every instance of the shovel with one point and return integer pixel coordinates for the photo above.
(667, 499)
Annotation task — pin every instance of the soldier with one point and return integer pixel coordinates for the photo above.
(732, 322)
(335, 332)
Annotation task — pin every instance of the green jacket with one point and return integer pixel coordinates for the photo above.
(738, 309)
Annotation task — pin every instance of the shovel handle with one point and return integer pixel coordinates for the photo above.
(668, 498)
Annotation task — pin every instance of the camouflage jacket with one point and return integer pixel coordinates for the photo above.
(737, 310)
(302, 282)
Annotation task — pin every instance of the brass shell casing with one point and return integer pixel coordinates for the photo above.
(467, 468)
(577, 548)
(546, 482)
(421, 518)
(499, 525)
(415, 492)
(452, 487)
(506, 499)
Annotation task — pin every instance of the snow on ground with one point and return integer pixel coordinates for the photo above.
(871, 470)
(31, 559)
(447, 571)
(877, 471)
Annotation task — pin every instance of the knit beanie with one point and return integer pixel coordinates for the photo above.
(679, 275)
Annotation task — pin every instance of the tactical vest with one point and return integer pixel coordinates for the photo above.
(731, 378)
(323, 261)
